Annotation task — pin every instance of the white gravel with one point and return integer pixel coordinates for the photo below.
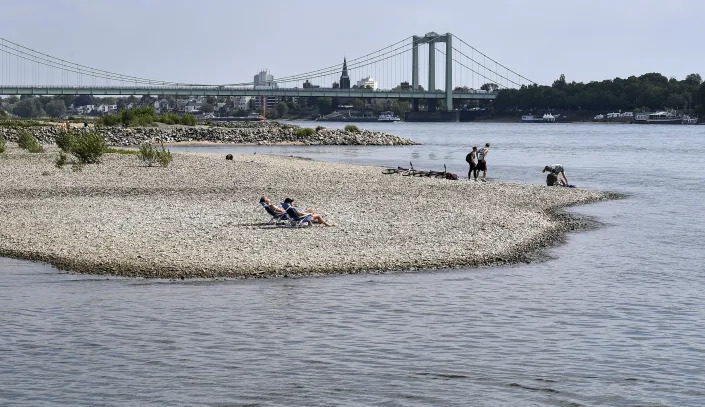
(200, 217)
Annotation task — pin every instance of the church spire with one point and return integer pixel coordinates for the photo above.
(344, 78)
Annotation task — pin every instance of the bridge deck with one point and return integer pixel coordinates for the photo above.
(232, 91)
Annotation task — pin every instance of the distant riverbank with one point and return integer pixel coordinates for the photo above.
(199, 217)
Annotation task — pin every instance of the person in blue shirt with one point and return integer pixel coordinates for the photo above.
(315, 217)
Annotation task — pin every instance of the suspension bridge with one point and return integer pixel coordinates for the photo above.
(398, 69)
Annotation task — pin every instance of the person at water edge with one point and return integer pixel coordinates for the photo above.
(315, 216)
(275, 208)
(471, 158)
(556, 174)
(481, 160)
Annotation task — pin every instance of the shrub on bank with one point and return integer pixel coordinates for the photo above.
(2, 145)
(88, 148)
(305, 132)
(151, 155)
(319, 128)
(64, 140)
(28, 142)
(188, 120)
(352, 128)
(61, 160)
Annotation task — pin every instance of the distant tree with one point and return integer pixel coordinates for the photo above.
(83, 100)
(207, 108)
(224, 111)
(358, 104)
(489, 86)
(12, 100)
(29, 107)
(693, 79)
(211, 100)
(56, 108)
(324, 105)
(283, 109)
(701, 98)
(560, 83)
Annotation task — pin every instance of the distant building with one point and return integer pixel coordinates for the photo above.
(336, 85)
(241, 102)
(272, 102)
(365, 82)
(264, 79)
(309, 85)
(344, 78)
(404, 86)
(192, 107)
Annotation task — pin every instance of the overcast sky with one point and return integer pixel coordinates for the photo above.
(229, 41)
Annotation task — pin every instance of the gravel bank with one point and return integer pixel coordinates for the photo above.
(233, 133)
(199, 217)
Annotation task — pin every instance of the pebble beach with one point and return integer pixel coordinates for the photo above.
(200, 217)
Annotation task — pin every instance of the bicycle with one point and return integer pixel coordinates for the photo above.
(400, 170)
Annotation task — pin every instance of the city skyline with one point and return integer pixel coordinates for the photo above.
(175, 41)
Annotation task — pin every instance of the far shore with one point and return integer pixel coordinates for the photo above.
(200, 218)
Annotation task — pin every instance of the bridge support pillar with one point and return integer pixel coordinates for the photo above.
(449, 72)
(415, 64)
(415, 105)
(431, 66)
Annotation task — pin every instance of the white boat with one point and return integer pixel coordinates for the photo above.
(546, 118)
(387, 117)
(664, 118)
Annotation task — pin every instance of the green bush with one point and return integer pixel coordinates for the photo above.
(65, 140)
(109, 120)
(88, 148)
(170, 118)
(151, 155)
(2, 145)
(319, 128)
(305, 132)
(188, 120)
(61, 160)
(352, 128)
(29, 142)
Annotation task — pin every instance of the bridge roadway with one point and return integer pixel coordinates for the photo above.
(238, 91)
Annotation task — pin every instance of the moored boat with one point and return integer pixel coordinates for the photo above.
(663, 117)
(387, 117)
(546, 118)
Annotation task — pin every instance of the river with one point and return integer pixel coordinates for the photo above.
(613, 318)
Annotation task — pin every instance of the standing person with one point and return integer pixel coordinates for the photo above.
(554, 171)
(471, 158)
(481, 163)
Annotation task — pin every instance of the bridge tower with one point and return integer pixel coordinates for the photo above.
(431, 39)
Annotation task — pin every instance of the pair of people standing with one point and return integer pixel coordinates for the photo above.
(477, 161)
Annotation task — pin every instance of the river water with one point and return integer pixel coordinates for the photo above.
(614, 318)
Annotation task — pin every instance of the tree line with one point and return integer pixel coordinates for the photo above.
(651, 91)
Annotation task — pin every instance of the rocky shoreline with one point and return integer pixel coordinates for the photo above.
(199, 217)
(233, 133)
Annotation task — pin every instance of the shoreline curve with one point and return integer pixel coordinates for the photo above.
(199, 218)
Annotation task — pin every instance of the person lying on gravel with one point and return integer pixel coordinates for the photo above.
(315, 216)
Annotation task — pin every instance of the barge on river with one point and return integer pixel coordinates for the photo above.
(663, 118)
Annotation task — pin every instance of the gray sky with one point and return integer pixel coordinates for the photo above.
(229, 41)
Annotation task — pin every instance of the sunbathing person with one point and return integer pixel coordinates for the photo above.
(315, 217)
(275, 208)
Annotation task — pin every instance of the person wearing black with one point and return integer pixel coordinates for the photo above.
(471, 158)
